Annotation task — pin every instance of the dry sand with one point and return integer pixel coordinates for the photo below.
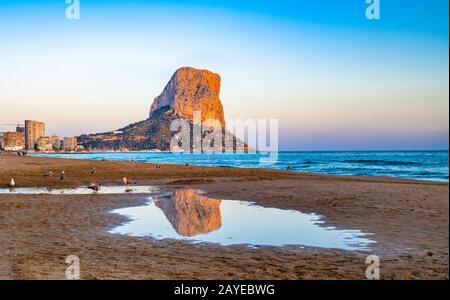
(409, 221)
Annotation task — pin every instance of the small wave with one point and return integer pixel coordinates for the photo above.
(308, 162)
(381, 162)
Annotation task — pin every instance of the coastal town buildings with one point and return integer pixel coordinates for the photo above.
(33, 131)
(21, 129)
(45, 143)
(13, 141)
(69, 144)
(56, 142)
(31, 136)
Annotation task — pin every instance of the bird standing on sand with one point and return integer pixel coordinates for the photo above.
(62, 176)
(49, 174)
(127, 181)
(94, 187)
(12, 184)
(93, 171)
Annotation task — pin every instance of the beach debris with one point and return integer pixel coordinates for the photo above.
(94, 186)
(128, 190)
(93, 170)
(48, 174)
(12, 183)
(62, 176)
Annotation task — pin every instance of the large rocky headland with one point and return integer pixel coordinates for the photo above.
(189, 91)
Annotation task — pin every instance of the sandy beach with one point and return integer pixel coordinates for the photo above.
(409, 221)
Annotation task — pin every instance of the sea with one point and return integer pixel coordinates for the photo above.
(418, 165)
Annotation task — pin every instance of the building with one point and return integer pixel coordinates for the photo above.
(33, 131)
(45, 143)
(21, 129)
(70, 143)
(13, 141)
(56, 142)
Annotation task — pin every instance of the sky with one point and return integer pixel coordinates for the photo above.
(334, 79)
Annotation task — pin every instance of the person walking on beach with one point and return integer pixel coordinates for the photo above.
(62, 176)
(93, 171)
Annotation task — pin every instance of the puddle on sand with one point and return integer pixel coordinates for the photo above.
(83, 190)
(186, 215)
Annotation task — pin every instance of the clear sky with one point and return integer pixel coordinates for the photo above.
(333, 78)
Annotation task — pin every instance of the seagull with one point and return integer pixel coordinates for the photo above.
(12, 184)
(93, 171)
(94, 187)
(48, 174)
(62, 176)
(127, 181)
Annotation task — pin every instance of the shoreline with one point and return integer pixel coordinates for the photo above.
(312, 173)
(400, 214)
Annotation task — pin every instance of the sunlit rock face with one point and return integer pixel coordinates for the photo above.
(191, 214)
(189, 90)
(192, 90)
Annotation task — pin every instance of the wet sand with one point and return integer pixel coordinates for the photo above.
(409, 221)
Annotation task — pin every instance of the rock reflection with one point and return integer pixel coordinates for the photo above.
(189, 216)
(189, 213)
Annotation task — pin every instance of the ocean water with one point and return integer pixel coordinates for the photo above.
(418, 165)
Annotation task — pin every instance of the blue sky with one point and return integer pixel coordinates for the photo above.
(334, 79)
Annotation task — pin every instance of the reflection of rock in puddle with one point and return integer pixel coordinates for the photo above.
(189, 213)
(189, 216)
